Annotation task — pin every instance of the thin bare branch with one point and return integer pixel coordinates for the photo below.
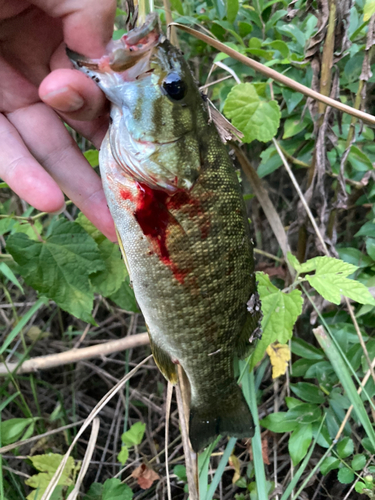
(278, 77)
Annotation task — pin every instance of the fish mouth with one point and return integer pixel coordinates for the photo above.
(124, 53)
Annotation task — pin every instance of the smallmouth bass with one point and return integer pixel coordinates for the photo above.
(177, 205)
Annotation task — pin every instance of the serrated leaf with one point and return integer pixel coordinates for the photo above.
(280, 312)
(48, 465)
(328, 464)
(331, 286)
(368, 10)
(299, 443)
(123, 455)
(60, 266)
(345, 447)
(113, 489)
(359, 462)
(108, 281)
(322, 264)
(345, 476)
(276, 422)
(95, 492)
(279, 356)
(134, 435)
(255, 118)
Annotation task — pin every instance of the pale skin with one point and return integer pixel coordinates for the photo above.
(38, 158)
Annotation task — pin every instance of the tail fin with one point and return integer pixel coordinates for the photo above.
(229, 417)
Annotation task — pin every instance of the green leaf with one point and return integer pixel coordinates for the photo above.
(8, 273)
(292, 99)
(27, 228)
(345, 476)
(113, 489)
(299, 443)
(370, 247)
(345, 447)
(283, 48)
(304, 413)
(177, 6)
(180, 471)
(295, 125)
(232, 10)
(92, 156)
(328, 464)
(125, 298)
(6, 225)
(109, 280)
(257, 119)
(359, 160)
(13, 428)
(60, 266)
(305, 350)
(280, 312)
(276, 422)
(123, 455)
(368, 10)
(95, 492)
(330, 280)
(358, 462)
(360, 486)
(134, 435)
(309, 392)
(368, 229)
(48, 465)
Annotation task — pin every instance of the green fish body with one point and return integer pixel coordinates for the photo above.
(177, 205)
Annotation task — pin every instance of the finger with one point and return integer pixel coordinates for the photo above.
(71, 92)
(24, 174)
(50, 143)
(87, 24)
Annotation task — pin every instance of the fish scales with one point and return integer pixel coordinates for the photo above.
(177, 204)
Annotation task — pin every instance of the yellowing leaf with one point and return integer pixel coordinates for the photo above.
(368, 10)
(280, 312)
(48, 465)
(235, 463)
(279, 356)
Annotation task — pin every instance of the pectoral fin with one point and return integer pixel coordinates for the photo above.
(164, 362)
(250, 333)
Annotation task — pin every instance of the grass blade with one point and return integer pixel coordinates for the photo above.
(16, 330)
(248, 386)
(344, 376)
(219, 471)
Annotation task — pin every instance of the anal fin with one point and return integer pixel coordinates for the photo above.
(164, 362)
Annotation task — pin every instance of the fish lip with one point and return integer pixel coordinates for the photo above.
(124, 53)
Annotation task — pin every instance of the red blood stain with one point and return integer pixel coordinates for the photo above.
(153, 215)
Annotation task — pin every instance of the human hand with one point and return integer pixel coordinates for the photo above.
(38, 157)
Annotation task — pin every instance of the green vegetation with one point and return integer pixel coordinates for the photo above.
(309, 382)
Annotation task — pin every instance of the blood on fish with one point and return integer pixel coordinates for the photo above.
(153, 215)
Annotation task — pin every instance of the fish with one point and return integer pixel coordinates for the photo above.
(176, 201)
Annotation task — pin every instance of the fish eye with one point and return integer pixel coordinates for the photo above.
(174, 86)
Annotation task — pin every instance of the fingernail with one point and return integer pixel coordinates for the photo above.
(59, 211)
(64, 99)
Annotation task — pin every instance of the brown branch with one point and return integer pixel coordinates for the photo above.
(278, 77)
(75, 355)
